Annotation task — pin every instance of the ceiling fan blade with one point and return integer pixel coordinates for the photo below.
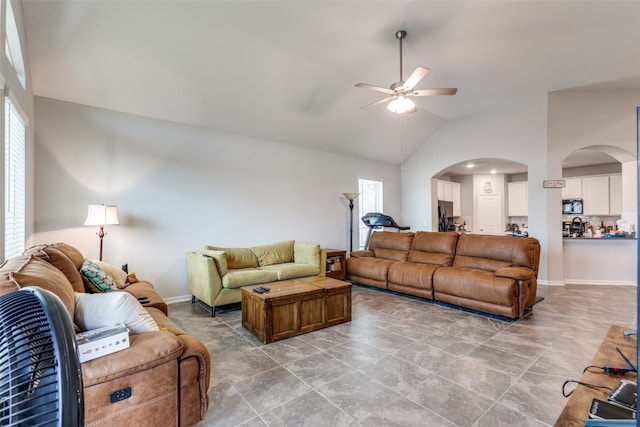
(435, 92)
(376, 88)
(381, 101)
(417, 75)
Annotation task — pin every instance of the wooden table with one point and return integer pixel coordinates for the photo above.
(294, 307)
(336, 264)
(577, 408)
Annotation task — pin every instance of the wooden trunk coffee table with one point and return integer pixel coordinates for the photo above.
(294, 307)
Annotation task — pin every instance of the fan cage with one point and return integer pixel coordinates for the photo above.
(40, 375)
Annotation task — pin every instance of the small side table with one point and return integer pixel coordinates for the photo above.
(336, 264)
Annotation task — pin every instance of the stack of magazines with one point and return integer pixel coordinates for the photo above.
(621, 404)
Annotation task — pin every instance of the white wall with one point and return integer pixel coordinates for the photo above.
(539, 132)
(517, 133)
(179, 187)
(602, 119)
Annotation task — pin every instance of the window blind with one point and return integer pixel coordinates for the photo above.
(15, 171)
(370, 200)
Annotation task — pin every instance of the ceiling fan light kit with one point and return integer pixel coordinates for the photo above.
(401, 91)
(401, 105)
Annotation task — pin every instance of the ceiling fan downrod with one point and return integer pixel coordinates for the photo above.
(401, 35)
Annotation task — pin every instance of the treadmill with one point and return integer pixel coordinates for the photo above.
(377, 221)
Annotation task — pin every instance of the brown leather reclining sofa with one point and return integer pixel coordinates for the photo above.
(494, 274)
(167, 370)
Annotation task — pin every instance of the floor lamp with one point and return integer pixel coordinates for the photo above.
(102, 215)
(350, 197)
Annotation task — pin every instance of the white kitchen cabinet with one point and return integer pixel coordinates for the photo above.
(445, 190)
(440, 185)
(572, 188)
(615, 195)
(595, 195)
(517, 192)
(455, 190)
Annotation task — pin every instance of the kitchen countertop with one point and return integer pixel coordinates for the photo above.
(599, 238)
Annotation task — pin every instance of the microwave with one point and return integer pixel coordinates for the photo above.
(572, 206)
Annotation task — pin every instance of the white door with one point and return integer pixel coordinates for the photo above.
(489, 214)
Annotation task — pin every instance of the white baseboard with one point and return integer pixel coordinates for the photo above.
(551, 283)
(179, 298)
(601, 282)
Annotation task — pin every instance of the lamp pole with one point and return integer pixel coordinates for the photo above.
(351, 197)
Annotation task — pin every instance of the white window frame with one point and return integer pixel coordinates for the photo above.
(370, 200)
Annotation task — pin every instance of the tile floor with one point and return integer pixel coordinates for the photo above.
(403, 361)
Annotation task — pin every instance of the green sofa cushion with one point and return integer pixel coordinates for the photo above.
(306, 253)
(247, 276)
(237, 257)
(276, 253)
(292, 270)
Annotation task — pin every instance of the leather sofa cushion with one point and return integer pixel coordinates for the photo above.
(61, 261)
(411, 274)
(147, 350)
(494, 252)
(292, 270)
(29, 270)
(475, 285)
(433, 248)
(247, 276)
(74, 254)
(390, 245)
(372, 268)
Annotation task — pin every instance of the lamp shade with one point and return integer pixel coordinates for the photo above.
(350, 196)
(102, 215)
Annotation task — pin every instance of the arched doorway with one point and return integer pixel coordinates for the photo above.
(600, 246)
(483, 192)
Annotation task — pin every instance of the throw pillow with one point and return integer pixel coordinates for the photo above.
(118, 275)
(95, 311)
(220, 259)
(276, 253)
(95, 279)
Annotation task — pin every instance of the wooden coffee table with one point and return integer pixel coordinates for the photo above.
(294, 307)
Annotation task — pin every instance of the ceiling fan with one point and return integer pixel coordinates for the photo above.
(400, 92)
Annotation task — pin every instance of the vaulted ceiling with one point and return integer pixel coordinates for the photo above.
(286, 70)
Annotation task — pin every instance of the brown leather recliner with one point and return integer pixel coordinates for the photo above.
(167, 371)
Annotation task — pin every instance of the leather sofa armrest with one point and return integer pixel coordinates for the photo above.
(362, 254)
(515, 273)
(147, 350)
(144, 289)
(193, 348)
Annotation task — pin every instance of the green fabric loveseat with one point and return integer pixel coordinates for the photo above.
(216, 274)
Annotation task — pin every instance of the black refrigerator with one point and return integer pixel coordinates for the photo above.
(445, 216)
